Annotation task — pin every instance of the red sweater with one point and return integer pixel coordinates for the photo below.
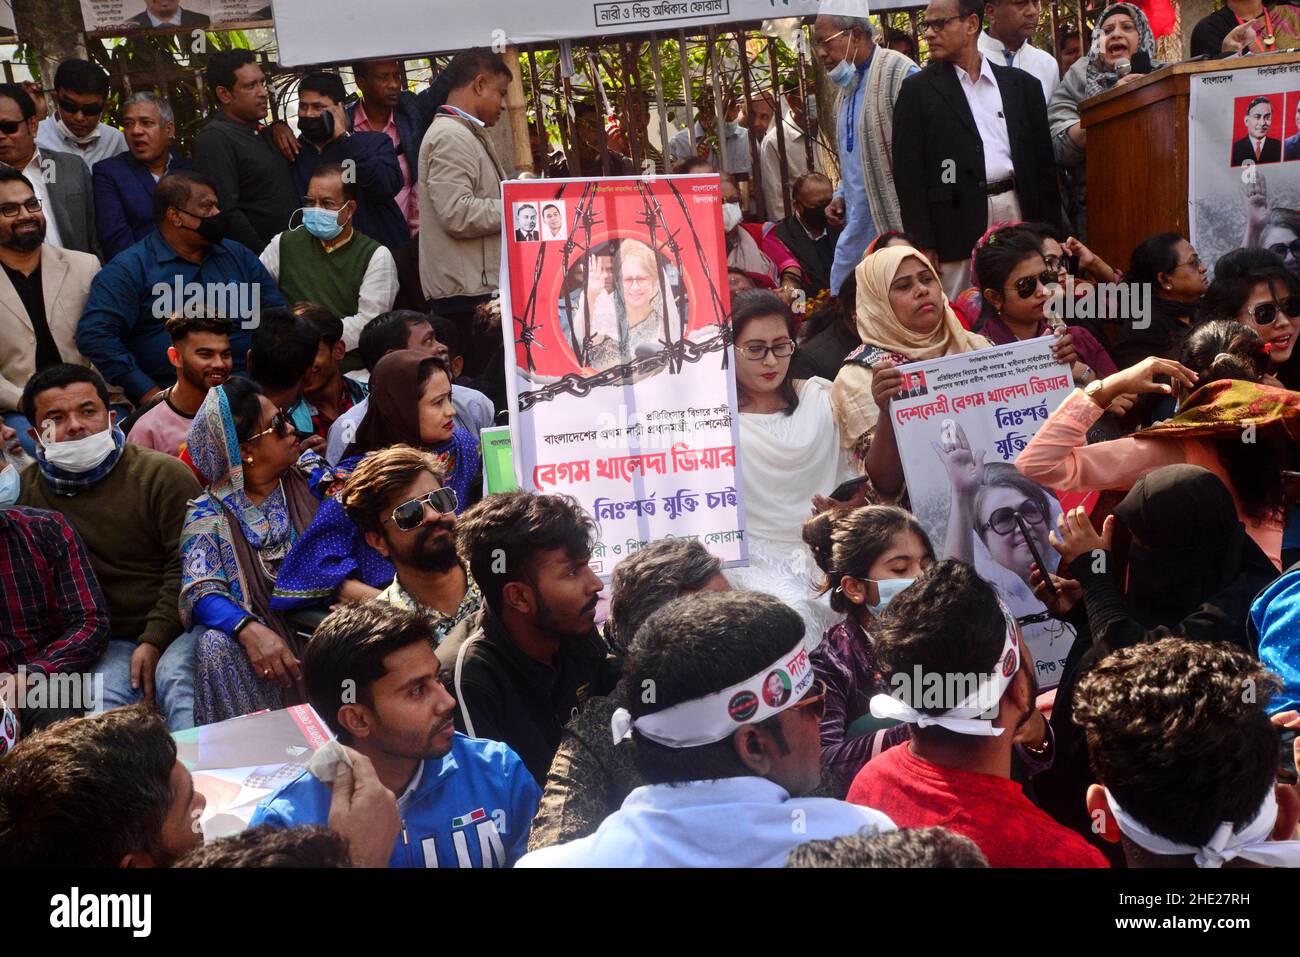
(992, 811)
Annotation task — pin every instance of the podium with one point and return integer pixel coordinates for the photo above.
(1138, 153)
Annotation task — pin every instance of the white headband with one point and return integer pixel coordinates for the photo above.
(965, 718)
(716, 716)
(8, 729)
(1250, 843)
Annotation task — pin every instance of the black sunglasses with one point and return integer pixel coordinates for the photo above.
(410, 515)
(1003, 520)
(10, 127)
(281, 425)
(1281, 248)
(1263, 313)
(1026, 286)
(68, 108)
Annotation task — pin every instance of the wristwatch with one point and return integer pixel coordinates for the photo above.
(1092, 388)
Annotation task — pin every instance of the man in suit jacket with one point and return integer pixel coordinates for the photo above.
(42, 291)
(168, 13)
(62, 182)
(124, 184)
(1257, 146)
(1291, 146)
(971, 144)
(807, 234)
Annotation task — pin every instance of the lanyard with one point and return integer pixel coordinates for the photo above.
(1265, 41)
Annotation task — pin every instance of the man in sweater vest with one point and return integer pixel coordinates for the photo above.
(326, 261)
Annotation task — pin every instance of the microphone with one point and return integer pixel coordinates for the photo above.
(1123, 68)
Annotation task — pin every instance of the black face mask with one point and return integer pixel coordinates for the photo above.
(212, 228)
(317, 129)
(814, 217)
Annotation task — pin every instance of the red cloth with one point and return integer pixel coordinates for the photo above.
(1160, 14)
(992, 811)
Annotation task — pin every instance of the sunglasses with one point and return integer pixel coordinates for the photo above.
(68, 108)
(1003, 520)
(815, 699)
(782, 350)
(1282, 248)
(1263, 313)
(10, 127)
(1026, 286)
(281, 425)
(410, 515)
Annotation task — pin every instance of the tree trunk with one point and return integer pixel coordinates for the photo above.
(55, 29)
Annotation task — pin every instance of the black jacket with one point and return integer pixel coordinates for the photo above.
(933, 125)
(816, 263)
(1244, 152)
(255, 185)
(504, 695)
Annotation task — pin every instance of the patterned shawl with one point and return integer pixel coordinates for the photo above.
(889, 69)
(1229, 405)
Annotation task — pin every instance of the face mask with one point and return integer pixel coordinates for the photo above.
(322, 223)
(211, 228)
(733, 127)
(80, 455)
(79, 140)
(731, 216)
(815, 217)
(9, 484)
(889, 589)
(844, 72)
(314, 129)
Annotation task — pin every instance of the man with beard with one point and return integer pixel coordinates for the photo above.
(372, 675)
(396, 498)
(200, 353)
(43, 289)
(533, 659)
(961, 676)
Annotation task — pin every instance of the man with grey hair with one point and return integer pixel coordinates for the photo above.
(124, 184)
(589, 777)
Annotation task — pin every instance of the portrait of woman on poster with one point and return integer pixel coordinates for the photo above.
(631, 319)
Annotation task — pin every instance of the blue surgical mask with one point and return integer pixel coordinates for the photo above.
(322, 223)
(844, 73)
(9, 485)
(888, 589)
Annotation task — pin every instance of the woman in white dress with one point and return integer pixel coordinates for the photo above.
(789, 451)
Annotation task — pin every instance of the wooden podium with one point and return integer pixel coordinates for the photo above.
(1137, 154)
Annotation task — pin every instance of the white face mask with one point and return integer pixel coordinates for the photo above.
(79, 140)
(731, 216)
(845, 73)
(9, 485)
(80, 455)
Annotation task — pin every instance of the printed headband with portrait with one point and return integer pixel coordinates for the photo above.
(969, 716)
(690, 724)
(8, 728)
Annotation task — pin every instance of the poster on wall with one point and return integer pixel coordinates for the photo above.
(1244, 161)
(619, 369)
(118, 17)
(961, 421)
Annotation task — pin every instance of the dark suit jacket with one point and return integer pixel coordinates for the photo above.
(933, 123)
(1292, 148)
(378, 180)
(531, 236)
(413, 115)
(73, 197)
(124, 201)
(1243, 152)
(188, 19)
(816, 272)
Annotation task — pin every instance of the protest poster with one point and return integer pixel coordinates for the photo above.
(239, 762)
(226, 12)
(117, 17)
(961, 421)
(1243, 156)
(622, 389)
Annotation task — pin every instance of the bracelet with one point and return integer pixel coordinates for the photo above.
(243, 623)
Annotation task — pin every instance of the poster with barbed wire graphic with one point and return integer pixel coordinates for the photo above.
(615, 313)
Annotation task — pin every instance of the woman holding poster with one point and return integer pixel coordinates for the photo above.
(789, 447)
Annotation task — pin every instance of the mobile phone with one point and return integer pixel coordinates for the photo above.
(1291, 486)
(1033, 550)
(845, 490)
(1071, 264)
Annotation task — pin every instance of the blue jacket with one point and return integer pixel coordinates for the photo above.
(124, 200)
(413, 115)
(471, 808)
(378, 179)
(1275, 616)
(121, 327)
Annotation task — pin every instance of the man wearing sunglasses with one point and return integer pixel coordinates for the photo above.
(80, 90)
(727, 763)
(397, 499)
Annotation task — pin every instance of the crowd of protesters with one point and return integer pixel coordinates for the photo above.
(218, 517)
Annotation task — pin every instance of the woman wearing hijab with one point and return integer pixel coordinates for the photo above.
(902, 316)
(261, 495)
(410, 404)
(1173, 560)
(641, 297)
(1122, 31)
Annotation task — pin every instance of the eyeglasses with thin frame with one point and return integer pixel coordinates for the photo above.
(1263, 313)
(1026, 286)
(410, 515)
(825, 44)
(1003, 520)
(68, 108)
(758, 352)
(330, 204)
(1194, 262)
(281, 425)
(11, 210)
(938, 24)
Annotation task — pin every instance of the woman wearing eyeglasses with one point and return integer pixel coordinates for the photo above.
(1228, 421)
(1252, 287)
(262, 493)
(410, 404)
(789, 452)
(637, 288)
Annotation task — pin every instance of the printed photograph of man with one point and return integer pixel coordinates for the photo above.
(168, 13)
(1291, 145)
(1257, 146)
(526, 223)
(553, 224)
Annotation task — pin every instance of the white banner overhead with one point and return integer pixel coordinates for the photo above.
(410, 27)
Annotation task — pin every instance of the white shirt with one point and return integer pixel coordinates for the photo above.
(106, 141)
(1038, 63)
(35, 172)
(735, 149)
(985, 100)
(375, 296)
(731, 822)
(796, 160)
